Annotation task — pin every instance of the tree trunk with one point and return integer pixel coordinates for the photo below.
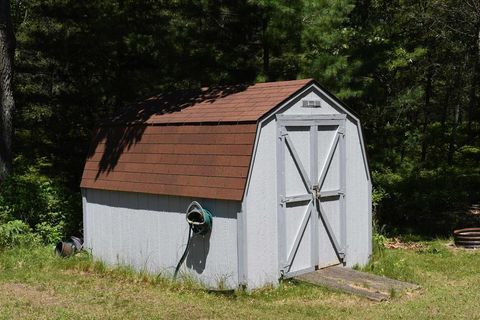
(472, 104)
(426, 111)
(266, 48)
(446, 106)
(453, 136)
(7, 103)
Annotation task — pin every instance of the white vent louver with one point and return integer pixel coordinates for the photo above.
(311, 103)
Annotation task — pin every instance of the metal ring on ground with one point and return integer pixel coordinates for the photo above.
(467, 238)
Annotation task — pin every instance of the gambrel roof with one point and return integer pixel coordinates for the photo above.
(187, 143)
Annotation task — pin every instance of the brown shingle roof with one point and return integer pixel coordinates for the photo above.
(220, 104)
(189, 143)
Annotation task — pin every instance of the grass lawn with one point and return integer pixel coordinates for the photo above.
(34, 284)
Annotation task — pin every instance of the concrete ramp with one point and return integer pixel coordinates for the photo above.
(363, 284)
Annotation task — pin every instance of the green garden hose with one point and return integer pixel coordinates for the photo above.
(184, 255)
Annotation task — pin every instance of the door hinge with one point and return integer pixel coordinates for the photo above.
(284, 270)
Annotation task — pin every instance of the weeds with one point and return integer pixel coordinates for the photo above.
(34, 283)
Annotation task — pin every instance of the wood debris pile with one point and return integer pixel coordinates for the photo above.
(396, 243)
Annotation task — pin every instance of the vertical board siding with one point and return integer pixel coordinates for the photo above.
(357, 201)
(84, 208)
(261, 208)
(149, 233)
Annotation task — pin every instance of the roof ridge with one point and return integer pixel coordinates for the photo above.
(221, 104)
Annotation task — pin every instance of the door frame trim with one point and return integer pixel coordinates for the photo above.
(310, 117)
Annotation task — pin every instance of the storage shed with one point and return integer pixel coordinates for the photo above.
(281, 166)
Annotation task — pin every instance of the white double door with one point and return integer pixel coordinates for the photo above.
(311, 164)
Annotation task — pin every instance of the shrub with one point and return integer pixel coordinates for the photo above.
(41, 203)
(50, 233)
(16, 232)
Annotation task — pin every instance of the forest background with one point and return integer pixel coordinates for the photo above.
(410, 69)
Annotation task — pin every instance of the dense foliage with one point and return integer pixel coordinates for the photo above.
(409, 68)
(33, 203)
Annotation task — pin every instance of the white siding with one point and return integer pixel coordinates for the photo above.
(358, 207)
(149, 232)
(261, 211)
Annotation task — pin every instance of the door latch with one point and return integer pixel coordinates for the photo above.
(316, 191)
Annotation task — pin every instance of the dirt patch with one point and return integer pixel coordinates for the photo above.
(33, 295)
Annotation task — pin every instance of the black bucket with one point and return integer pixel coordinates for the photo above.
(69, 247)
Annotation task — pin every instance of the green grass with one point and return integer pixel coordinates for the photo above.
(34, 284)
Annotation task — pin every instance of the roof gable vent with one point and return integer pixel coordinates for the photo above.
(311, 103)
